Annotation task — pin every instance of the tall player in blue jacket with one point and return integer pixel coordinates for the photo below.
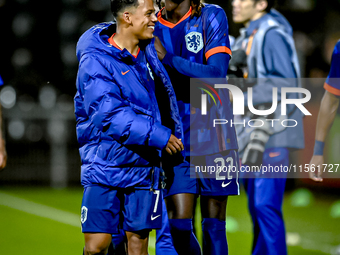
(328, 109)
(119, 128)
(192, 42)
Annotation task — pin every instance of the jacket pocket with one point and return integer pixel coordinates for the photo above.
(140, 110)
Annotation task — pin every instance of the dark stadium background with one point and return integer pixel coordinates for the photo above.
(39, 66)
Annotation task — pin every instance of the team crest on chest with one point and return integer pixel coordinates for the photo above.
(194, 42)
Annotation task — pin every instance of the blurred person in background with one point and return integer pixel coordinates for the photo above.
(192, 42)
(3, 153)
(119, 128)
(328, 109)
(265, 49)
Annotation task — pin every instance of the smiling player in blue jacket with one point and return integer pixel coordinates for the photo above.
(119, 128)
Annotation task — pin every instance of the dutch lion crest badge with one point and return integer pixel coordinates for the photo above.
(83, 216)
(194, 42)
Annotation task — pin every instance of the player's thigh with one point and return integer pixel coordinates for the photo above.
(181, 191)
(100, 210)
(275, 163)
(179, 179)
(218, 173)
(142, 210)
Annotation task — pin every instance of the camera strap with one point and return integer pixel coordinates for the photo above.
(248, 49)
(250, 41)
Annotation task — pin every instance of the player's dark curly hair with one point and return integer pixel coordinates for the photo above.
(119, 5)
(159, 4)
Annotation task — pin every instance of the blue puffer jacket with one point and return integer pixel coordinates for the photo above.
(118, 119)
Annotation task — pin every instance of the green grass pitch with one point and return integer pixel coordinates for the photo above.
(46, 221)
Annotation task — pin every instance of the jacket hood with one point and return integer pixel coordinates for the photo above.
(281, 20)
(95, 40)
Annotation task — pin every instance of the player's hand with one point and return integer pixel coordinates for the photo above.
(174, 145)
(161, 51)
(316, 162)
(3, 154)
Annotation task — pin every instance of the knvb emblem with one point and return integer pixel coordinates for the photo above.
(194, 42)
(83, 216)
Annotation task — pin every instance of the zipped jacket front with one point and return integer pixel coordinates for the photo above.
(119, 125)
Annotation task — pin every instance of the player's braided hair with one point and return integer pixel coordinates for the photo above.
(197, 6)
(159, 3)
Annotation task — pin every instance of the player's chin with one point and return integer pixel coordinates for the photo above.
(237, 19)
(147, 35)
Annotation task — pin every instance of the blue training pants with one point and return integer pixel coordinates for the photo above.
(265, 197)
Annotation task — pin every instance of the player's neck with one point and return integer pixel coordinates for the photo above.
(174, 12)
(255, 17)
(125, 40)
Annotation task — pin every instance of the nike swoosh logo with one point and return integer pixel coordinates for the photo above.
(225, 185)
(153, 218)
(123, 73)
(274, 154)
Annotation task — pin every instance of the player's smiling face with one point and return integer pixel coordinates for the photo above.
(144, 20)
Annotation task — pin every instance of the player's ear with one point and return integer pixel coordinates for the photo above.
(126, 16)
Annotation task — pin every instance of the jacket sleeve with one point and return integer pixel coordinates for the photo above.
(217, 50)
(216, 67)
(113, 115)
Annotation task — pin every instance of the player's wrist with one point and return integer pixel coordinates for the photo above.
(318, 148)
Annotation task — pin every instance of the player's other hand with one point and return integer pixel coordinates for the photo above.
(3, 154)
(316, 162)
(161, 51)
(174, 145)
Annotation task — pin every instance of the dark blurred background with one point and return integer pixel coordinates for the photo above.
(39, 66)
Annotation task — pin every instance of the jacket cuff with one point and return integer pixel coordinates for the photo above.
(159, 136)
